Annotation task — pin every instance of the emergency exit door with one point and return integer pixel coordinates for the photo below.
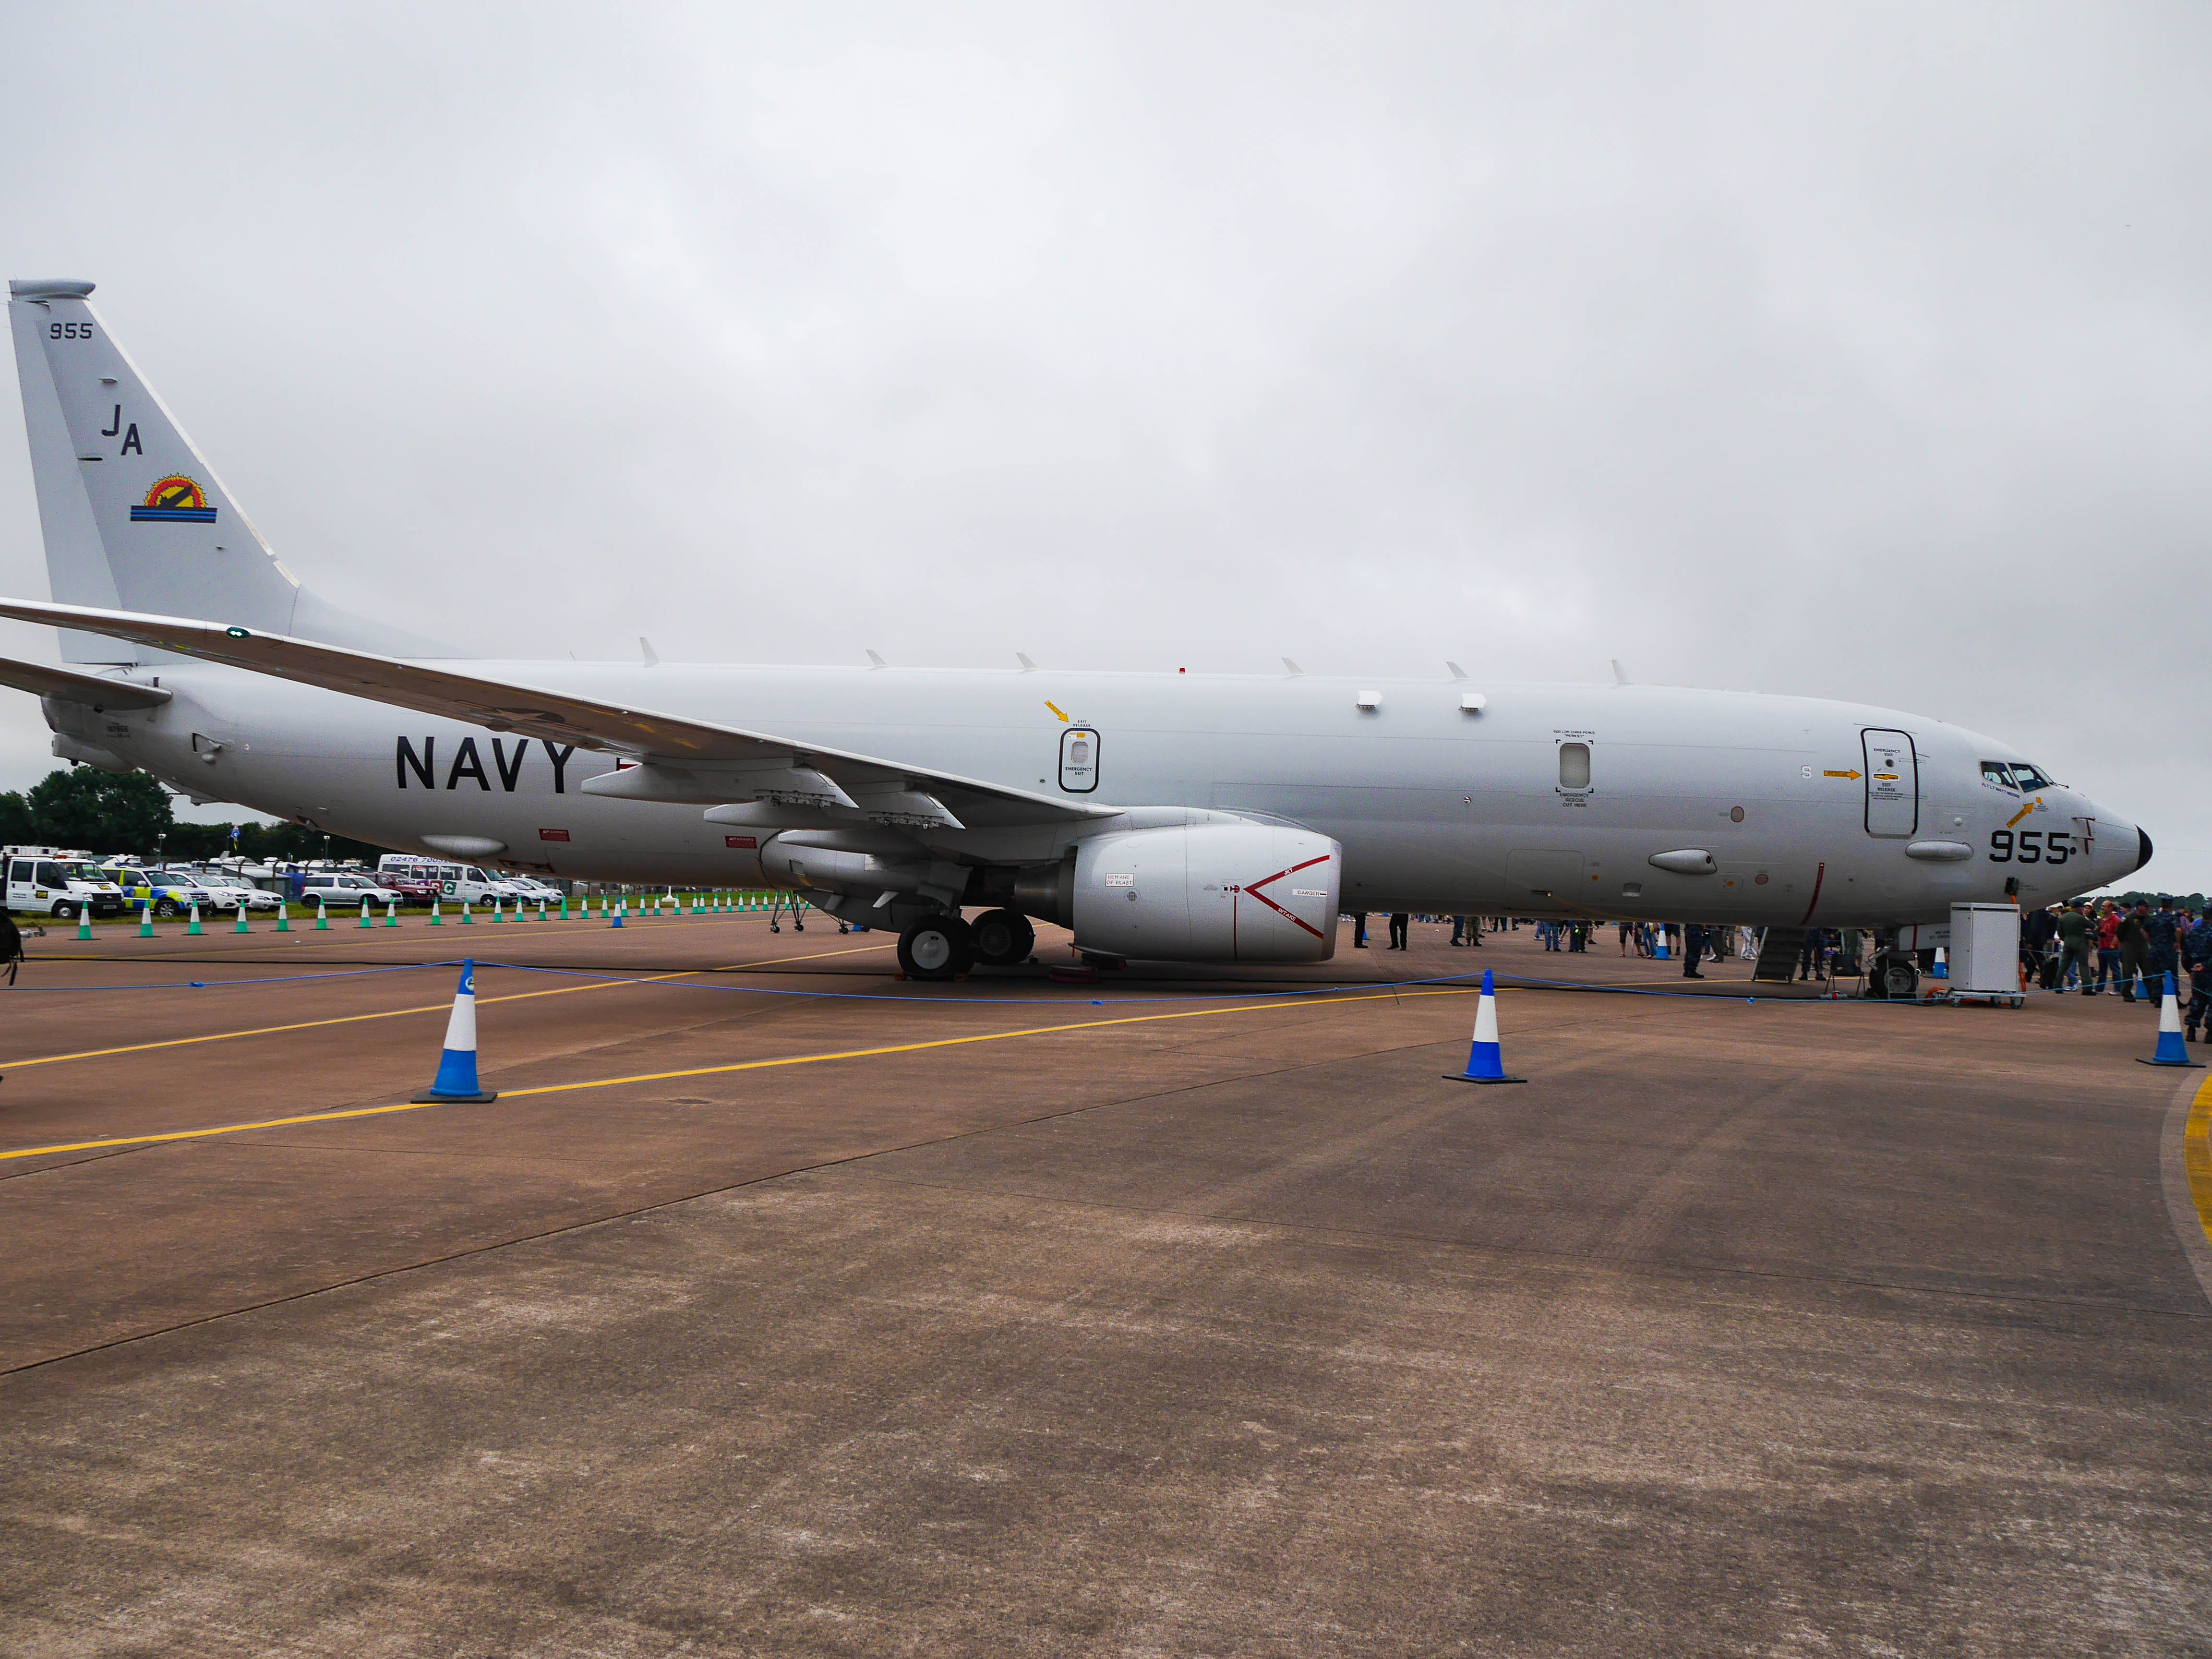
(1893, 783)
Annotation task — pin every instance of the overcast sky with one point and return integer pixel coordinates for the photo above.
(1861, 352)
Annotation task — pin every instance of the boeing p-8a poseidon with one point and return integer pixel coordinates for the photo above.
(1183, 817)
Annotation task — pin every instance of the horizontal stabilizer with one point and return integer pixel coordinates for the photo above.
(755, 764)
(70, 686)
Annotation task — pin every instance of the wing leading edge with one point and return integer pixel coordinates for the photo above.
(679, 759)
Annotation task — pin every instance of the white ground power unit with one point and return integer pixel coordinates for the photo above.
(1984, 953)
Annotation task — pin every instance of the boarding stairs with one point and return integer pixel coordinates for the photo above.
(1779, 949)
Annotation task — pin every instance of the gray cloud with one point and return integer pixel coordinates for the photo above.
(1861, 352)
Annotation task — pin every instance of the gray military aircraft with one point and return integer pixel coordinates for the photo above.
(1173, 817)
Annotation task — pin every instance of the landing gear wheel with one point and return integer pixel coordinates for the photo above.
(1900, 982)
(1003, 938)
(938, 947)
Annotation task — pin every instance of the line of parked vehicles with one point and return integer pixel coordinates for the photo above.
(64, 883)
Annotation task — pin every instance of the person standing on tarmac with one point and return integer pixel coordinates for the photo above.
(2073, 948)
(1358, 929)
(1693, 949)
(2196, 956)
(2164, 929)
(2135, 951)
(2108, 946)
(1398, 920)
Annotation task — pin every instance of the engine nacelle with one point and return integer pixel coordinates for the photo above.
(1209, 892)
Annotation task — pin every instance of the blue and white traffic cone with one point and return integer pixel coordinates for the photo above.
(1486, 1063)
(2170, 1050)
(1942, 968)
(619, 909)
(457, 1065)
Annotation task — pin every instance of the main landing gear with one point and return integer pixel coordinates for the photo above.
(946, 947)
(937, 947)
(1003, 938)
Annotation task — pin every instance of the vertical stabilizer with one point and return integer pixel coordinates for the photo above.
(135, 518)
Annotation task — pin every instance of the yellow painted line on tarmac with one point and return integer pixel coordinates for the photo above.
(426, 1008)
(2197, 1155)
(710, 1071)
(350, 933)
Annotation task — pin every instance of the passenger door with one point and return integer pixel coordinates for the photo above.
(1892, 782)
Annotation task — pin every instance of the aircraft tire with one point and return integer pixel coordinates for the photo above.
(936, 947)
(1003, 938)
(1901, 981)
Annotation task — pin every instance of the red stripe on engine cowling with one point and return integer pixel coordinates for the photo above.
(1253, 887)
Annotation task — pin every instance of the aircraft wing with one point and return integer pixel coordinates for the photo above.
(71, 686)
(679, 759)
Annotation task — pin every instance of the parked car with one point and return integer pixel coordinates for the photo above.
(227, 891)
(166, 894)
(413, 886)
(346, 888)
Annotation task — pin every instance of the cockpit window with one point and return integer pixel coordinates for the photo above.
(2027, 777)
(1997, 772)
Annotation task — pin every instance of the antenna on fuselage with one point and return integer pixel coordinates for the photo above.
(1457, 673)
(1620, 674)
(876, 660)
(1023, 658)
(646, 650)
(1294, 668)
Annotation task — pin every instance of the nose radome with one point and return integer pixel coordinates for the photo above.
(2142, 847)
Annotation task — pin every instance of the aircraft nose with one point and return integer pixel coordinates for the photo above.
(2142, 847)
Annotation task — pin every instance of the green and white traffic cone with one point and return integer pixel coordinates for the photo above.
(467, 920)
(322, 913)
(195, 929)
(541, 910)
(364, 921)
(242, 927)
(391, 912)
(284, 915)
(145, 918)
(436, 921)
(84, 922)
(564, 907)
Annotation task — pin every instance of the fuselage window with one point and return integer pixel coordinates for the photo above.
(1079, 760)
(1998, 773)
(1574, 766)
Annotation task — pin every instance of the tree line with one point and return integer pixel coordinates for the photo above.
(107, 812)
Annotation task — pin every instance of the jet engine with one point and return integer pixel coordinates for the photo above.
(1208, 892)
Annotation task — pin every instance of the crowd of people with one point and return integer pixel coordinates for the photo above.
(2100, 945)
(2091, 946)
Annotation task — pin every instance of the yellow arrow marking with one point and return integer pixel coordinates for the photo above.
(1852, 776)
(2023, 811)
(1054, 707)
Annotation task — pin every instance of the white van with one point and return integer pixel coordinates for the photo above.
(460, 884)
(60, 882)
